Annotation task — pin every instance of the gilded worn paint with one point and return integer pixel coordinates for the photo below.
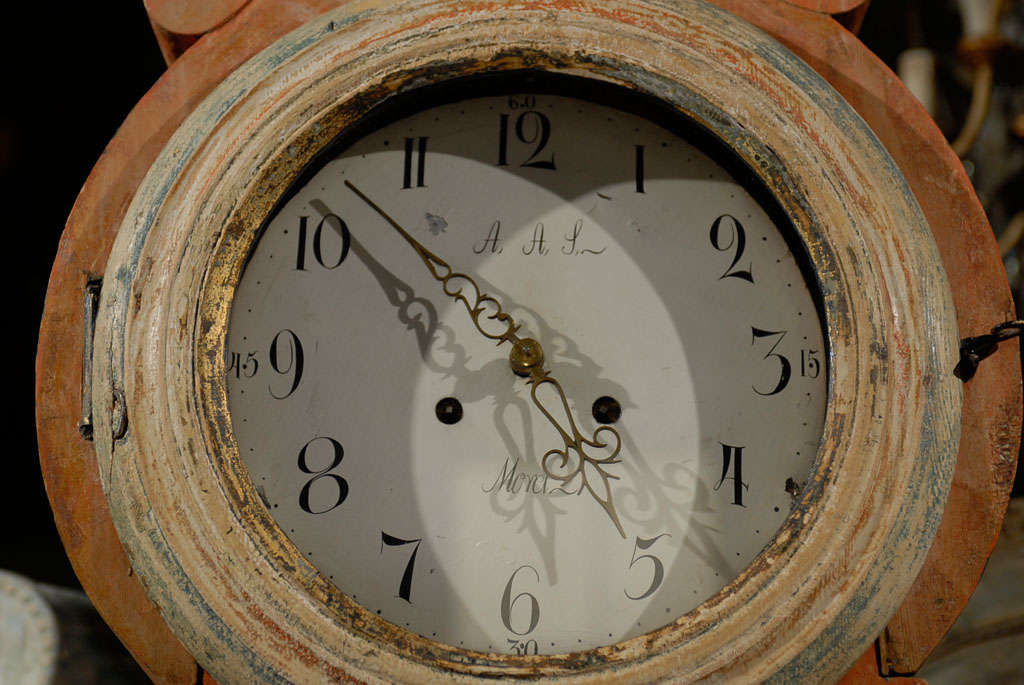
(232, 586)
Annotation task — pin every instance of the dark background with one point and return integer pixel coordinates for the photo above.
(72, 73)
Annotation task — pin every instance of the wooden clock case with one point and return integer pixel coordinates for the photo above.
(224, 35)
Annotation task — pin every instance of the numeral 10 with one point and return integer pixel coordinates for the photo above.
(338, 226)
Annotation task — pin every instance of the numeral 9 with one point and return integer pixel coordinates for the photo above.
(295, 357)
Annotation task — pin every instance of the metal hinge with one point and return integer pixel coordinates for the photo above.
(974, 350)
(90, 308)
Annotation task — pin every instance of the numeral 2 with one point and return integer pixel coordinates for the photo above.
(737, 240)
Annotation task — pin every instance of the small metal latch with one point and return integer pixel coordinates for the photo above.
(973, 350)
(89, 310)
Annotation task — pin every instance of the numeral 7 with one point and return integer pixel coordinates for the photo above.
(405, 587)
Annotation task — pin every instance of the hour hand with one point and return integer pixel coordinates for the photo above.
(527, 359)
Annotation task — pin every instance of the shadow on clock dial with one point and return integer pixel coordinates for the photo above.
(692, 314)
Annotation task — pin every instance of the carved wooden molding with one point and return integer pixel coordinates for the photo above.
(248, 605)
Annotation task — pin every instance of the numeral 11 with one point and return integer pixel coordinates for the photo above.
(421, 146)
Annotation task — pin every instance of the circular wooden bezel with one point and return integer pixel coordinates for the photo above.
(229, 582)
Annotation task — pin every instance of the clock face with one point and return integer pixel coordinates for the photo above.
(395, 447)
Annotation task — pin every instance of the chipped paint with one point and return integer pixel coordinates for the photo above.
(213, 480)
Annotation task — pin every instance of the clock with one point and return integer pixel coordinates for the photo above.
(525, 342)
(693, 405)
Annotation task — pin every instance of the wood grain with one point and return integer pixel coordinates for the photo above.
(992, 400)
(828, 6)
(67, 460)
(985, 467)
(234, 587)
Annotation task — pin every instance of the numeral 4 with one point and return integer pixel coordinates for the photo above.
(732, 459)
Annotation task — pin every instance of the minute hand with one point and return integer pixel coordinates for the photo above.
(574, 459)
(527, 359)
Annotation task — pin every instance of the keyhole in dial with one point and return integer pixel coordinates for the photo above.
(448, 410)
(606, 409)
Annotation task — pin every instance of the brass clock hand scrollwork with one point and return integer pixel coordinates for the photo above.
(527, 359)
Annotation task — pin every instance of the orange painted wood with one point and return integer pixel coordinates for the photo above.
(191, 17)
(67, 460)
(849, 13)
(178, 24)
(853, 19)
(992, 400)
(828, 6)
(865, 672)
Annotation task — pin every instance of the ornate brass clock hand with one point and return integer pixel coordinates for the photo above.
(441, 271)
(527, 359)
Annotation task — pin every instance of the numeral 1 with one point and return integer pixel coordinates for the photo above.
(421, 158)
(639, 168)
(503, 140)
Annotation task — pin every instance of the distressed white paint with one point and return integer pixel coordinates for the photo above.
(636, 307)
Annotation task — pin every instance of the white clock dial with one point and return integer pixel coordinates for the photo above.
(650, 276)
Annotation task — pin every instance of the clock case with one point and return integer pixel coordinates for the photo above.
(439, 34)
